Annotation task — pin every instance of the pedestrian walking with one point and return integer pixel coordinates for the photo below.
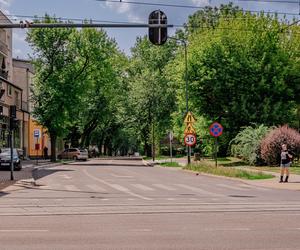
(285, 162)
(45, 152)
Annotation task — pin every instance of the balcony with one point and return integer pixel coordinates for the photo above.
(4, 74)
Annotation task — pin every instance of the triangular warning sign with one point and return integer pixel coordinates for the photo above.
(189, 118)
(189, 129)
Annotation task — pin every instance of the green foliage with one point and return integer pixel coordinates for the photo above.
(246, 144)
(243, 70)
(271, 144)
(78, 83)
(170, 164)
(151, 99)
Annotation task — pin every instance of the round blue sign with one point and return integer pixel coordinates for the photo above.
(216, 129)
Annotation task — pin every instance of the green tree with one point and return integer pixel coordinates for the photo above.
(57, 82)
(152, 97)
(241, 71)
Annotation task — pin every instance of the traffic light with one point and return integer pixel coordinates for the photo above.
(158, 36)
(13, 111)
(13, 121)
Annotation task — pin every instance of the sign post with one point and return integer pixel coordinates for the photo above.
(171, 139)
(37, 134)
(190, 133)
(216, 130)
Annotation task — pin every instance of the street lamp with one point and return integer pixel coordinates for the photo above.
(186, 86)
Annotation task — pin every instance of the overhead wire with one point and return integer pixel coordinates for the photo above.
(199, 7)
(125, 22)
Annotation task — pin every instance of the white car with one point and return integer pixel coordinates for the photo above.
(74, 153)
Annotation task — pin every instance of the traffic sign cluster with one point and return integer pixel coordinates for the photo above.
(189, 132)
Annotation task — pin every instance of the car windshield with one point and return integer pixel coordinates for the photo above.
(6, 152)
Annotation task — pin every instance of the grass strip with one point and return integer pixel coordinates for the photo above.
(229, 172)
(170, 164)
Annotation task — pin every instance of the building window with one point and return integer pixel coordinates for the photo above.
(9, 91)
(17, 100)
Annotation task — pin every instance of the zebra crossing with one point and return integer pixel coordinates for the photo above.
(147, 192)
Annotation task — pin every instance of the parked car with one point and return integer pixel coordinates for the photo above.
(74, 153)
(5, 159)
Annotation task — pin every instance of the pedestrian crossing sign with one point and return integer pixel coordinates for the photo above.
(189, 118)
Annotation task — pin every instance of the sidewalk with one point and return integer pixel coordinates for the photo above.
(25, 175)
(293, 184)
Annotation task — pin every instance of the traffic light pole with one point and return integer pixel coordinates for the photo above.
(11, 155)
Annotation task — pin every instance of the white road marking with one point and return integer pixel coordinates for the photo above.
(96, 188)
(164, 187)
(170, 199)
(254, 187)
(199, 190)
(119, 188)
(122, 176)
(226, 229)
(115, 186)
(23, 230)
(142, 230)
(143, 187)
(71, 188)
(231, 187)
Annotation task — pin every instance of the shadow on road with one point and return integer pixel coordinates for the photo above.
(3, 194)
(40, 173)
(109, 165)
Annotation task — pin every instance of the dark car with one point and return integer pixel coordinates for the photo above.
(5, 159)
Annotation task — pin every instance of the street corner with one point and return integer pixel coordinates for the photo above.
(293, 184)
(5, 184)
(148, 163)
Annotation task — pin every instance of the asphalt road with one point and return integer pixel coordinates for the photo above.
(123, 204)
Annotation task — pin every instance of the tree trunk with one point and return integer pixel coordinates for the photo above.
(147, 149)
(53, 138)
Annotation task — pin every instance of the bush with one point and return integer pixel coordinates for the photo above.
(271, 144)
(246, 144)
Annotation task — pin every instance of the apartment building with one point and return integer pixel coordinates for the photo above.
(23, 74)
(10, 94)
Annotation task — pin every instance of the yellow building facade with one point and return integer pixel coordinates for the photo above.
(38, 136)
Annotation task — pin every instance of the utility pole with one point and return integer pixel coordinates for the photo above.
(186, 87)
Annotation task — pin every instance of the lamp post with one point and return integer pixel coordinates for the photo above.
(186, 86)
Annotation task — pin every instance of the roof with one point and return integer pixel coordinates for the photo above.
(22, 63)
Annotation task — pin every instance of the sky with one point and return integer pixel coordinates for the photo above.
(121, 12)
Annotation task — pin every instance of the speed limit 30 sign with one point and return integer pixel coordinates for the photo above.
(190, 139)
